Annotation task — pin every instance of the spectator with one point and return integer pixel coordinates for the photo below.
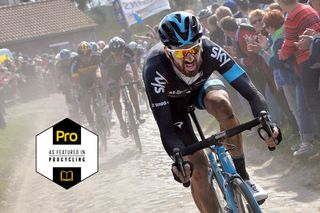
(222, 12)
(242, 33)
(284, 74)
(214, 7)
(243, 9)
(231, 5)
(275, 6)
(299, 18)
(216, 34)
(255, 19)
(310, 39)
(315, 4)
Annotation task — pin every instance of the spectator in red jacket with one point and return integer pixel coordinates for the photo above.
(253, 63)
(299, 18)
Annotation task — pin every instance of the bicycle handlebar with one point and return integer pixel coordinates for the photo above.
(218, 137)
(215, 139)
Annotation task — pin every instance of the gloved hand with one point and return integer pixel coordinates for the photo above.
(269, 132)
(178, 175)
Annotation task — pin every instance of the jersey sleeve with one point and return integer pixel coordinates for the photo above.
(155, 82)
(237, 77)
(74, 69)
(246, 88)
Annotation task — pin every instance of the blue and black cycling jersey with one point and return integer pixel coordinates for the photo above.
(169, 95)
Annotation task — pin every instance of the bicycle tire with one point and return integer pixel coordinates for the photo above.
(101, 122)
(241, 191)
(133, 126)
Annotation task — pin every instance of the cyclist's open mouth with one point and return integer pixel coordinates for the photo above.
(190, 67)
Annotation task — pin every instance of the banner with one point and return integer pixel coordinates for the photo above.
(119, 13)
(135, 11)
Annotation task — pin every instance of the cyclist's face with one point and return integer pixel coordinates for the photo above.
(189, 64)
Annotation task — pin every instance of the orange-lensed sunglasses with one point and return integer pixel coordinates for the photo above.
(181, 53)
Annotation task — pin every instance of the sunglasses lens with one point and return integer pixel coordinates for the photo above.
(178, 54)
(183, 53)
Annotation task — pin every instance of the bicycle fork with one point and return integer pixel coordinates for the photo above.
(224, 179)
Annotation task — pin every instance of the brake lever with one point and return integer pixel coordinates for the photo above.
(179, 162)
(266, 131)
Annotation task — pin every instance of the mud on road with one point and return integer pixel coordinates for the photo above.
(130, 182)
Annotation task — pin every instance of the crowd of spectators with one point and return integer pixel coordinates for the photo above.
(278, 45)
(23, 79)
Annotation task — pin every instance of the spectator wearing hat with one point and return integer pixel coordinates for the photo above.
(232, 6)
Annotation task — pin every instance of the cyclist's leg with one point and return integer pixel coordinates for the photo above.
(85, 104)
(201, 189)
(214, 98)
(128, 77)
(114, 91)
(216, 102)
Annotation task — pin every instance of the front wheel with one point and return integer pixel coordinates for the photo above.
(133, 126)
(243, 198)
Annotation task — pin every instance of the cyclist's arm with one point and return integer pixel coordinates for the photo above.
(129, 55)
(160, 106)
(245, 87)
(74, 72)
(134, 68)
(237, 77)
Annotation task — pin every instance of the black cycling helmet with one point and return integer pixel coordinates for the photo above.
(116, 44)
(179, 29)
(204, 13)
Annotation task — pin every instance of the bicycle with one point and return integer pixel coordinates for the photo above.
(232, 192)
(101, 114)
(132, 124)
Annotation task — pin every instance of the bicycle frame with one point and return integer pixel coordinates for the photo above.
(223, 176)
(224, 173)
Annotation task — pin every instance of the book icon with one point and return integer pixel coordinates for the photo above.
(66, 175)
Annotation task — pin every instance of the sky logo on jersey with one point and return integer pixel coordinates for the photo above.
(221, 56)
(159, 83)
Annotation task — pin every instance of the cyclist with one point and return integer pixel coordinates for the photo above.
(101, 45)
(138, 52)
(63, 72)
(179, 74)
(95, 50)
(118, 63)
(85, 71)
